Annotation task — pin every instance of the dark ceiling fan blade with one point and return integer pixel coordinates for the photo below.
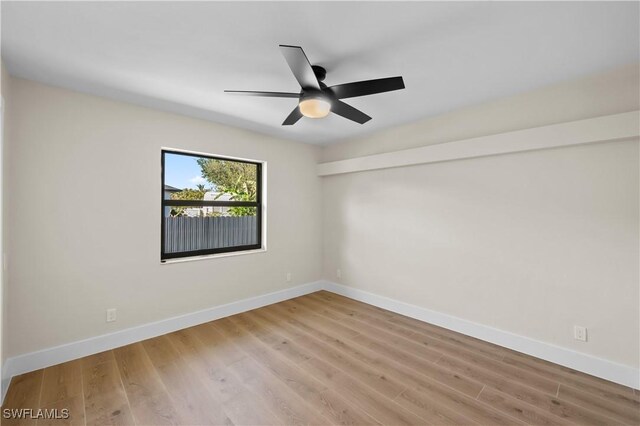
(300, 66)
(293, 117)
(347, 111)
(367, 87)
(265, 94)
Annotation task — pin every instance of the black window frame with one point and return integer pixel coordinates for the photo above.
(164, 256)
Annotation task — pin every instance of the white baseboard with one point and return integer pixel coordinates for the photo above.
(589, 364)
(599, 367)
(74, 350)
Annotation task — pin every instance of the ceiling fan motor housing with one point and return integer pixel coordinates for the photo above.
(319, 71)
(324, 94)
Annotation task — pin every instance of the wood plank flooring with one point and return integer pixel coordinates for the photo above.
(319, 359)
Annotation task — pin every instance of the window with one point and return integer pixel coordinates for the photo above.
(210, 205)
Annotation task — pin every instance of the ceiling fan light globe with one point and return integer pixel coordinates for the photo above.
(315, 107)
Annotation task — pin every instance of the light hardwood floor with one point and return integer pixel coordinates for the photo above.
(320, 359)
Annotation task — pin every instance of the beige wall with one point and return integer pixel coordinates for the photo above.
(84, 178)
(4, 93)
(532, 243)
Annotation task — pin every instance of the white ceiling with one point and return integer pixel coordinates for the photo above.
(180, 56)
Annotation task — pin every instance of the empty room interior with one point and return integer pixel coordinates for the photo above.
(349, 213)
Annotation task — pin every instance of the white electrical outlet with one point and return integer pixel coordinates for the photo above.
(111, 315)
(288, 277)
(338, 273)
(580, 333)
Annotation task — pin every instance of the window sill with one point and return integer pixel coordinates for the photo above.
(212, 256)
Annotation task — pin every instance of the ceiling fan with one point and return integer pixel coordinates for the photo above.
(316, 100)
